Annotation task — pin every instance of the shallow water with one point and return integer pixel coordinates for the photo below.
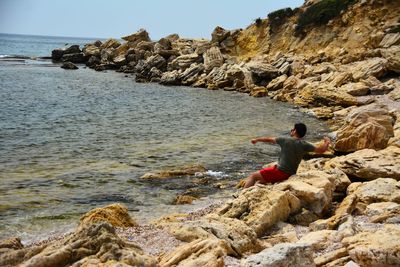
(74, 140)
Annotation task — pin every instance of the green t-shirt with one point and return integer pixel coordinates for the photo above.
(292, 152)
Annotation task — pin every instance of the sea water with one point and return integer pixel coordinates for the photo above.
(73, 140)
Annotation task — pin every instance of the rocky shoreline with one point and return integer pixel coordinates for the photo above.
(342, 210)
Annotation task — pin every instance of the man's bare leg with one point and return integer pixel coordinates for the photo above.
(252, 179)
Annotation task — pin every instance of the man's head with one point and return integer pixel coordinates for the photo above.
(299, 129)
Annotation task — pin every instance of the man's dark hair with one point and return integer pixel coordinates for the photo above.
(301, 129)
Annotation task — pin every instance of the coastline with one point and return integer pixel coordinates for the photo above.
(338, 210)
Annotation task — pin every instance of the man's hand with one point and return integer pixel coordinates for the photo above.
(327, 140)
(254, 141)
(323, 147)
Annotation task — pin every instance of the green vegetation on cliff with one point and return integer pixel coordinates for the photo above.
(279, 17)
(321, 12)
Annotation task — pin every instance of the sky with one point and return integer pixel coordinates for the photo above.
(117, 18)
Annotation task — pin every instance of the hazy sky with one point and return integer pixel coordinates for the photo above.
(116, 18)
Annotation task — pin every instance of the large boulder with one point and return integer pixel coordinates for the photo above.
(238, 236)
(314, 189)
(277, 83)
(392, 55)
(91, 50)
(69, 66)
(57, 54)
(190, 75)
(170, 78)
(360, 199)
(262, 72)
(365, 127)
(74, 57)
(317, 95)
(208, 252)
(261, 207)
(114, 214)
(213, 58)
(390, 39)
(356, 89)
(379, 190)
(219, 34)
(282, 255)
(135, 38)
(92, 245)
(369, 164)
(183, 62)
(110, 44)
(375, 248)
(376, 67)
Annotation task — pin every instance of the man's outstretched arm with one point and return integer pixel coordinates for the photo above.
(323, 147)
(271, 140)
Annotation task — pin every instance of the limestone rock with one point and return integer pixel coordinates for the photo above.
(258, 91)
(261, 207)
(92, 245)
(277, 83)
(345, 208)
(69, 66)
(170, 78)
(392, 55)
(319, 240)
(239, 237)
(356, 89)
(315, 95)
(284, 254)
(74, 57)
(341, 79)
(219, 34)
(110, 44)
(190, 75)
(57, 54)
(379, 190)
(190, 170)
(141, 35)
(156, 61)
(262, 72)
(91, 50)
(234, 73)
(365, 127)
(331, 256)
(115, 214)
(201, 46)
(371, 67)
(390, 39)
(314, 189)
(208, 253)
(183, 62)
(213, 58)
(369, 164)
(377, 248)
(11, 243)
(381, 207)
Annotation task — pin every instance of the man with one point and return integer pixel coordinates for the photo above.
(292, 151)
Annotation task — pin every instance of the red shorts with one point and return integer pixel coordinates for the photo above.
(273, 175)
